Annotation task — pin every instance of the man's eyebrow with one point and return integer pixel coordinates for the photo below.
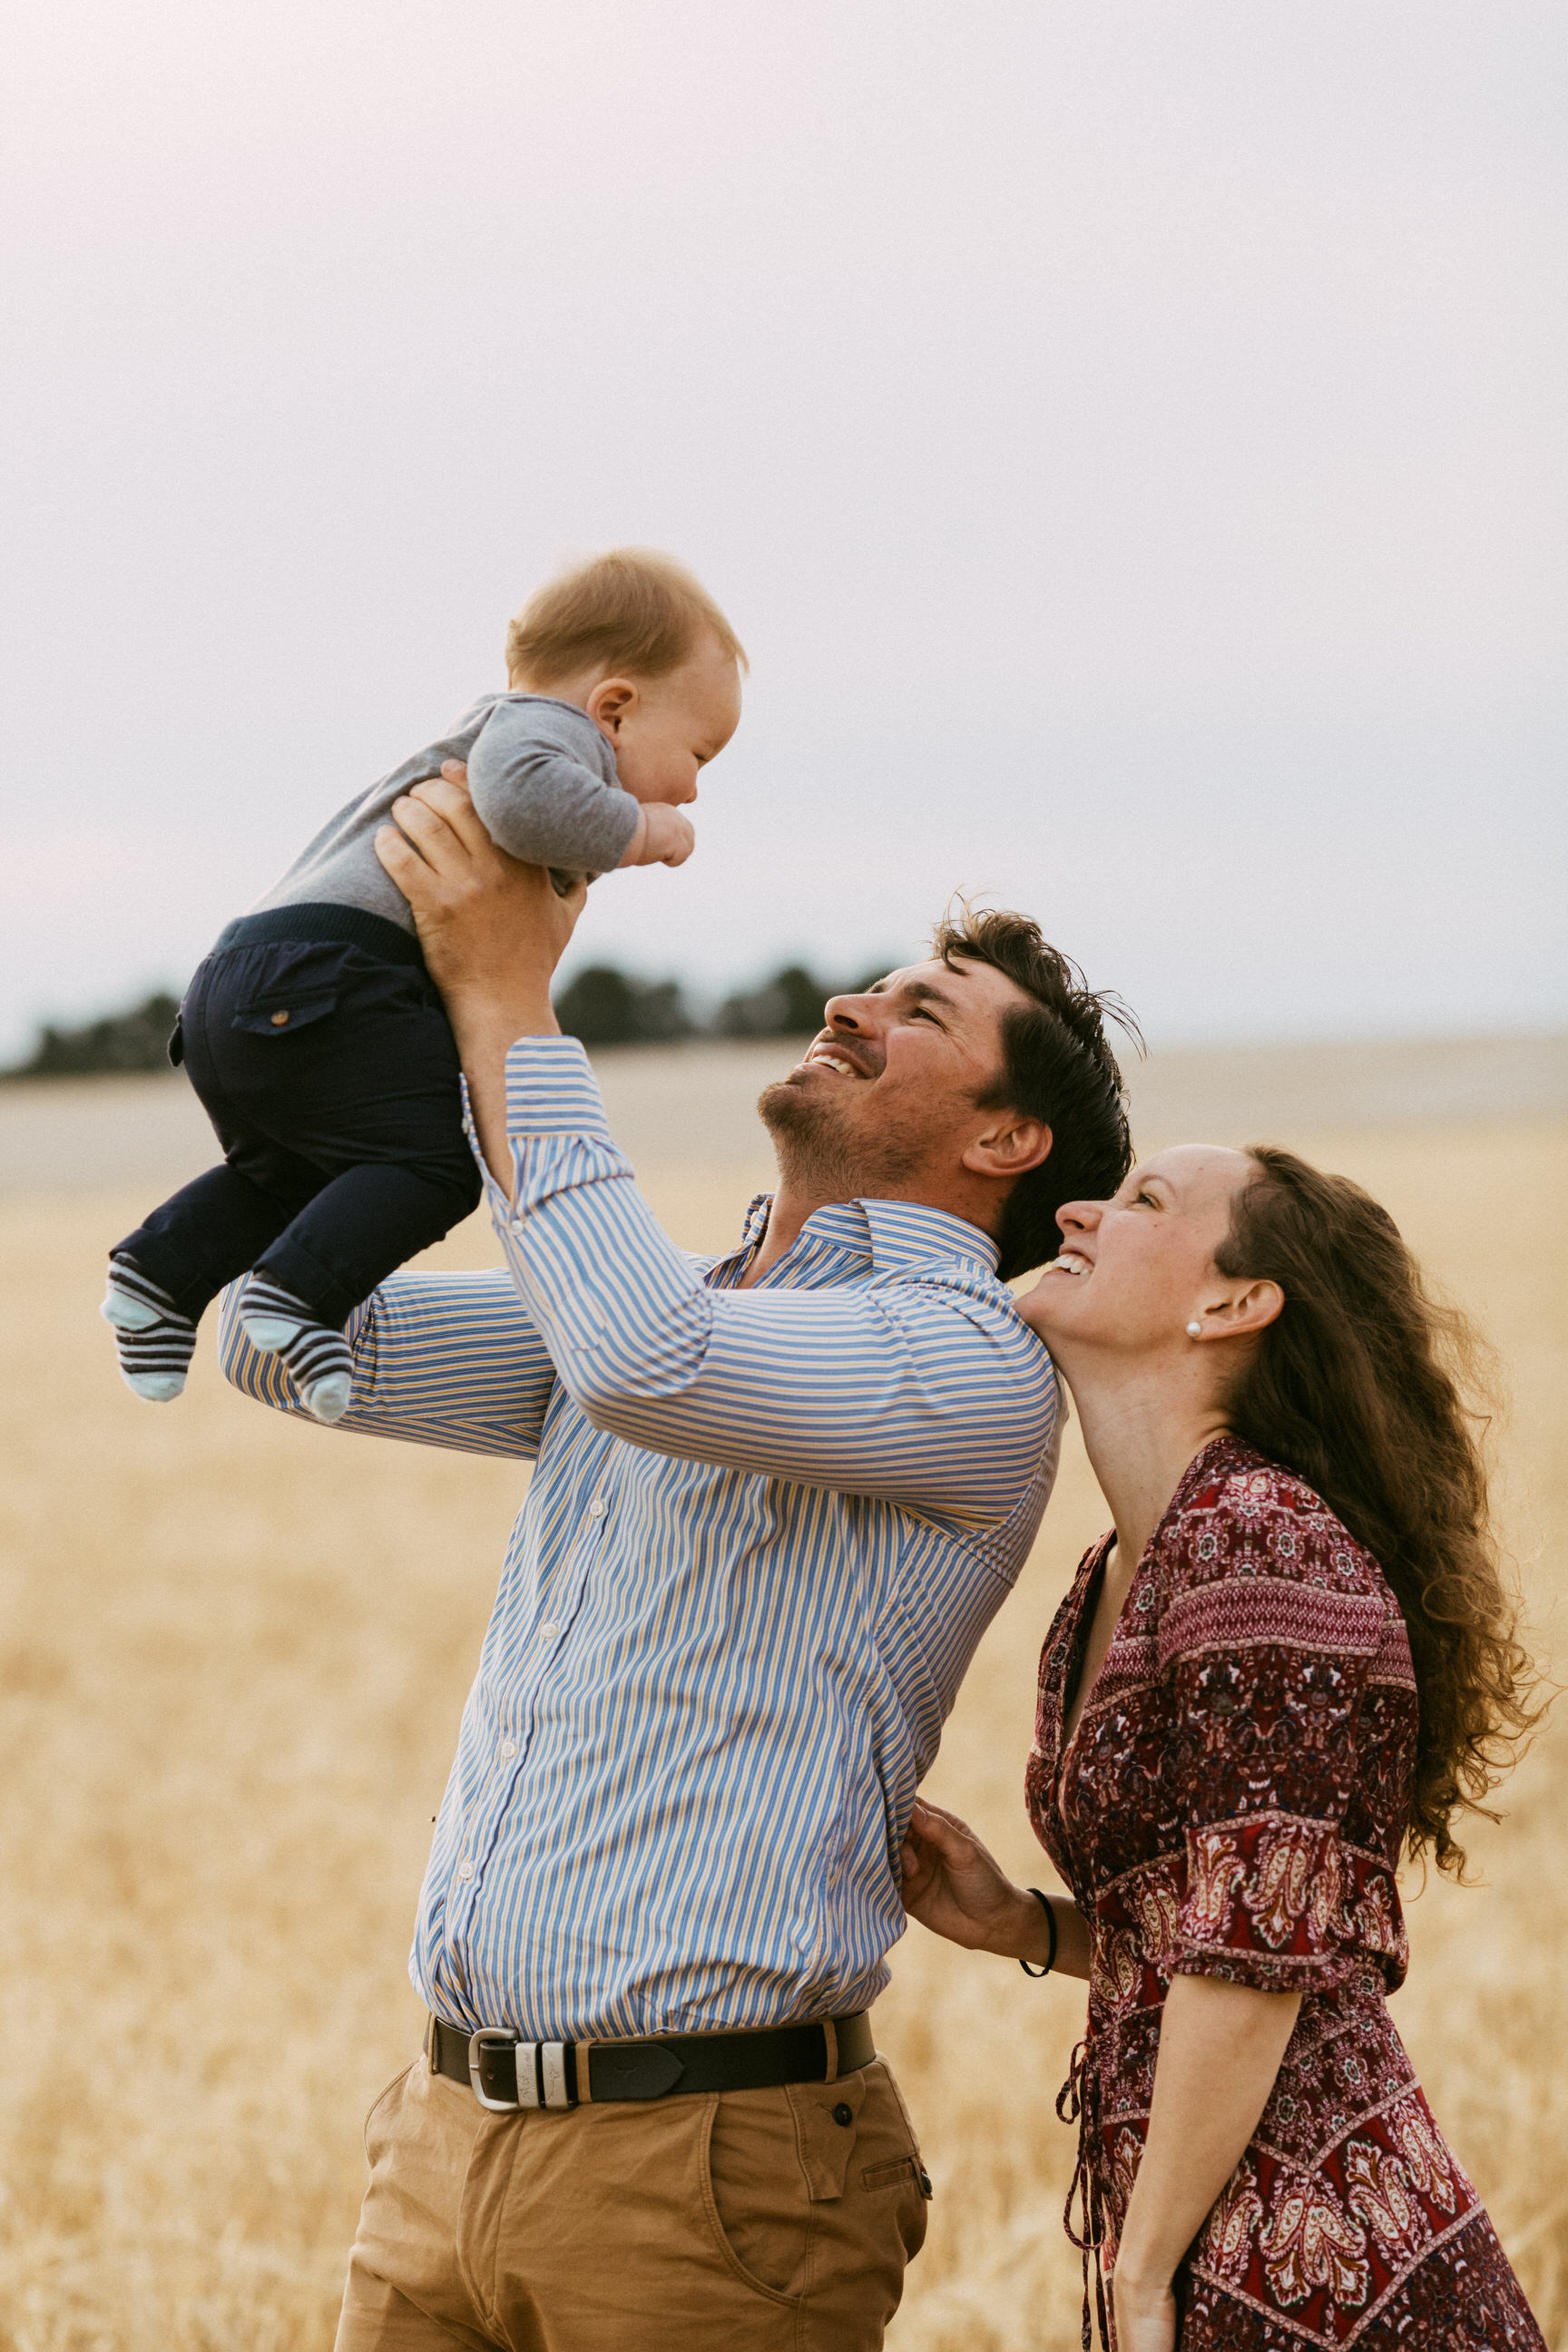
(917, 992)
(921, 992)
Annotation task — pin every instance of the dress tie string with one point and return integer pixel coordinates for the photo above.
(1077, 2102)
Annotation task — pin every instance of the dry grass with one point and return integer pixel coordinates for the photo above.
(233, 1659)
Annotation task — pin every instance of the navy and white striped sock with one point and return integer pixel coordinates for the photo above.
(319, 1360)
(154, 1341)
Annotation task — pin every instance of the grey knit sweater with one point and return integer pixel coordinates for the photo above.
(544, 783)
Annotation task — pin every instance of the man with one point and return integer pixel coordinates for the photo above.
(777, 1498)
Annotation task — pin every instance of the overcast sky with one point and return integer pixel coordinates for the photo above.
(1128, 439)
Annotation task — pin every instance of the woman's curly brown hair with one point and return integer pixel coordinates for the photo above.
(1360, 1387)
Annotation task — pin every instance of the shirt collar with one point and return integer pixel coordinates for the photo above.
(888, 1232)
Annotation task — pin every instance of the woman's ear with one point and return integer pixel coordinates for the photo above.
(1252, 1308)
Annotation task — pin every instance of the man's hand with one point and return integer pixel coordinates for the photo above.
(492, 929)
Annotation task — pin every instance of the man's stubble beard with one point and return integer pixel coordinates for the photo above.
(822, 1150)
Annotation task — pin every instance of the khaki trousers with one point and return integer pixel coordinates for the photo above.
(776, 2220)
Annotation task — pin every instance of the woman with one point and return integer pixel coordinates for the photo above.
(1291, 1661)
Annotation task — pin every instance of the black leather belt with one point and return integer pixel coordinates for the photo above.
(505, 2072)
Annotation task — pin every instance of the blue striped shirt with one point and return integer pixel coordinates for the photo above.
(765, 1533)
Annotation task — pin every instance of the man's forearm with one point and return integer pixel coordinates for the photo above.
(885, 1390)
(447, 1360)
(485, 1032)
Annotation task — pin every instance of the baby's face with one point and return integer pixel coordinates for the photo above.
(664, 738)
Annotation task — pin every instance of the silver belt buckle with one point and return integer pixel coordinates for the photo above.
(541, 2072)
(493, 2037)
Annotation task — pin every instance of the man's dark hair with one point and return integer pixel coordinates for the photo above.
(1058, 1067)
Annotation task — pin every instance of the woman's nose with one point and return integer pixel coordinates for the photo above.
(1079, 1216)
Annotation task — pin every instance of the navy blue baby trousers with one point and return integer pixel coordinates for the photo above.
(317, 1045)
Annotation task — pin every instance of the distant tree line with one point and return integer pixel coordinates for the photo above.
(136, 1040)
(604, 1006)
(601, 1005)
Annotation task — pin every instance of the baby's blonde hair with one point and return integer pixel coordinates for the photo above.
(637, 610)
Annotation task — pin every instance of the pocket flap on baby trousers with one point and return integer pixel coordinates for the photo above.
(279, 1015)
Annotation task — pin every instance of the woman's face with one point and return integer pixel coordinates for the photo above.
(1135, 1270)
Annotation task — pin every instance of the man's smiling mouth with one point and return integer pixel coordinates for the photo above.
(833, 1058)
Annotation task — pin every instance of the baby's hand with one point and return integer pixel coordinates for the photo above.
(663, 837)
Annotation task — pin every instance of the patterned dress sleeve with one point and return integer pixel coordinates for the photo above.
(1271, 1620)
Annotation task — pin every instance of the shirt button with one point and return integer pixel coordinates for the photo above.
(279, 1020)
(509, 1748)
(549, 1629)
(465, 1869)
(597, 1508)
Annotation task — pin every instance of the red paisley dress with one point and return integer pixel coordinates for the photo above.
(1232, 1804)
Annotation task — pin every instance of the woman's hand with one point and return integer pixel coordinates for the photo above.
(1145, 2316)
(955, 1888)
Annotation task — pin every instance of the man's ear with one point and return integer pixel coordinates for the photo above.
(1011, 1146)
(609, 702)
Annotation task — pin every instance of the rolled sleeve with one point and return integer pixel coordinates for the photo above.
(1266, 1645)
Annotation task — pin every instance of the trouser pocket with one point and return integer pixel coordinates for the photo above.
(819, 2201)
(757, 2192)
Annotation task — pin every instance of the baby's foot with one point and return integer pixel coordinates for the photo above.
(319, 1360)
(155, 1342)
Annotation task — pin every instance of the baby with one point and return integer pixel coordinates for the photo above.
(312, 1032)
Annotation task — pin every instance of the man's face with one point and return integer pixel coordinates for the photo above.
(887, 1093)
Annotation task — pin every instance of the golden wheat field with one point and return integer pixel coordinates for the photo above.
(233, 1654)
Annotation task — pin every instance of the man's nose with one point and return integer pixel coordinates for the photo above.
(851, 1013)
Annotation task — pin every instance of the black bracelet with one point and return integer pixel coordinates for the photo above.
(1044, 1903)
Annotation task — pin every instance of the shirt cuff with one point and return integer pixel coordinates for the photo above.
(550, 1090)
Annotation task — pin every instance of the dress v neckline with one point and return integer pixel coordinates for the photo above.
(1079, 1644)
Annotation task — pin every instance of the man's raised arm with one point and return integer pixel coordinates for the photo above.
(929, 1392)
(932, 1392)
(449, 1360)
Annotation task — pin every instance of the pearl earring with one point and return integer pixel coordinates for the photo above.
(1195, 1330)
